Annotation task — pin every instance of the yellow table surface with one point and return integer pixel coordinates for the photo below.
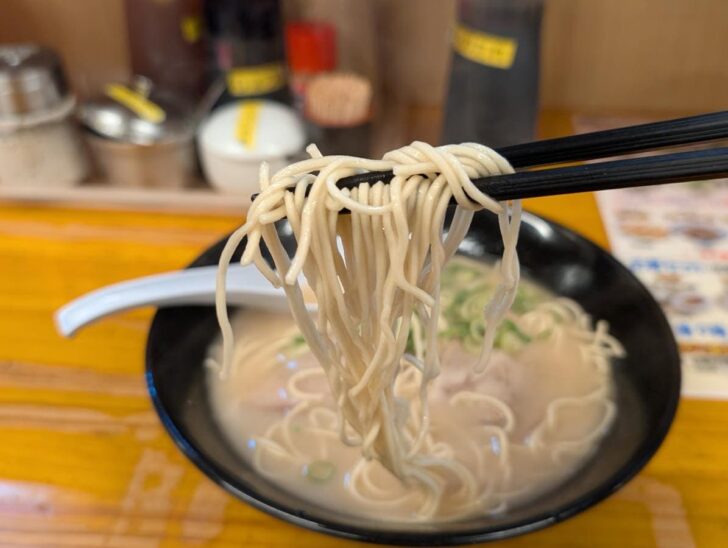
(85, 462)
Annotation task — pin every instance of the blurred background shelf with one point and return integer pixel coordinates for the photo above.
(395, 124)
(595, 55)
(657, 59)
(195, 199)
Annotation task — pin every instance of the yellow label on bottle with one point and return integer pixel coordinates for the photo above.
(484, 48)
(256, 80)
(246, 128)
(191, 27)
(136, 102)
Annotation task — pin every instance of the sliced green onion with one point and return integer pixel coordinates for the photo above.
(320, 471)
(472, 345)
(410, 348)
(476, 329)
(513, 328)
(295, 346)
(510, 343)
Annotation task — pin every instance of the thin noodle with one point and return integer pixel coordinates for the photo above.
(375, 272)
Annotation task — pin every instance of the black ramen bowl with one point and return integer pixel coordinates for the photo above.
(647, 389)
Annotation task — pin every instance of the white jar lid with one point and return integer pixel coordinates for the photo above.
(252, 130)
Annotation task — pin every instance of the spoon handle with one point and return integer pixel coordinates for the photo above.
(194, 286)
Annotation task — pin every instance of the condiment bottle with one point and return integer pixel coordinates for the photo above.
(310, 50)
(493, 92)
(338, 110)
(246, 42)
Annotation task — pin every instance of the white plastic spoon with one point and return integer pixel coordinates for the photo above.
(245, 286)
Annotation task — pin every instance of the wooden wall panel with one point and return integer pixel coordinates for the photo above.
(636, 55)
(414, 48)
(90, 35)
(618, 56)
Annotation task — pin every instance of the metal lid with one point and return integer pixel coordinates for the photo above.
(139, 113)
(31, 80)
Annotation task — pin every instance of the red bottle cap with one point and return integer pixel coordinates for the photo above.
(310, 46)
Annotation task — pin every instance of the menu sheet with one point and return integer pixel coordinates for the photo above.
(675, 239)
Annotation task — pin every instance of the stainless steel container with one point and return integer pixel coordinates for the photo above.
(39, 143)
(31, 80)
(141, 136)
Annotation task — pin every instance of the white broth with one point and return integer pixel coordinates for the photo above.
(524, 425)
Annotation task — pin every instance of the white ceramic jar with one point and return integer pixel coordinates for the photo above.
(237, 137)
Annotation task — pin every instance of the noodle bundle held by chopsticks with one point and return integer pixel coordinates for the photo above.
(376, 272)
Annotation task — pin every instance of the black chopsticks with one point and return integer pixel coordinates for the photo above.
(634, 172)
(625, 140)
(668, 168)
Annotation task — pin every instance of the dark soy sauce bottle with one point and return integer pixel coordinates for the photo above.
(246, 45)
(492, 96)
